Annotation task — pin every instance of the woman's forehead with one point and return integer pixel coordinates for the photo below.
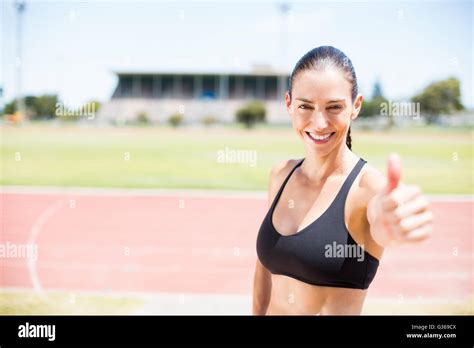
(329, 83)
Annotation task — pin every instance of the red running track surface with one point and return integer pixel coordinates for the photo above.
(180, 244)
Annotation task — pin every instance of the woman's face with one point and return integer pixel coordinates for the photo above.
(321, 109)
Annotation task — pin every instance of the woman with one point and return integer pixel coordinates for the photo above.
(331, 214)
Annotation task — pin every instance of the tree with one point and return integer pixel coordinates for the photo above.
(372, 107)
(377, 91)
(95, 105)
(10, 108)
(41, 107)
(251, 114)
(440, 97)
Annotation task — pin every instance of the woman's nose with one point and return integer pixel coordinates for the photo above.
(319, 120)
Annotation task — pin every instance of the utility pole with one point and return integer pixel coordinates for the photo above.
(284, 8)
(284, 35)
(20, 8)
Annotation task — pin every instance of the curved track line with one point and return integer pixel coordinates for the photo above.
(33, 234)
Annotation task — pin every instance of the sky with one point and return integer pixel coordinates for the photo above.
(72, 48)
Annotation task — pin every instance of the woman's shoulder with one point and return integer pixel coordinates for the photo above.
(278, 174)
(372, 180)
(283, 168)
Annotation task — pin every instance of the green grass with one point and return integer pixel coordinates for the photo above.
(161, 157)
(29, 303)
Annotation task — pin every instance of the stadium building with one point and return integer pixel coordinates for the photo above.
(195, 95)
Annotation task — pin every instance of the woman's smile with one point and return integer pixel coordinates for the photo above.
(320, 138)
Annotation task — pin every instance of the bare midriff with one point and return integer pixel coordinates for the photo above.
(291, 296)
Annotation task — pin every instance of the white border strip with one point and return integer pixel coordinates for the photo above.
(149, 295)
(92, 191)
(117, 293)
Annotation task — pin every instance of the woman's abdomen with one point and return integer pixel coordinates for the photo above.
(290, 296)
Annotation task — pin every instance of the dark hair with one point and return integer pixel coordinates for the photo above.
(323, 57)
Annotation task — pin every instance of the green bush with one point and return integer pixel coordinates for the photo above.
(208, 120)
(67, 118)
(175, 120)
(251, 114)
(142, 118)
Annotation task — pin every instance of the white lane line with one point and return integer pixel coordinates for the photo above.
(431, 275)
(108, 293)
(88, 191)
(33, 236)
(221, 253)
(92, 191)
(132, 268)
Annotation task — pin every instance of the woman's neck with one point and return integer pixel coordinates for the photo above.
(318, 168)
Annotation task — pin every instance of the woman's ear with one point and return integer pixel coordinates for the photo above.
(357, 106)
(289, 106)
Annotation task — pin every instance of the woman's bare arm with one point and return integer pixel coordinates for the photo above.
(262, 283)
(262, 288)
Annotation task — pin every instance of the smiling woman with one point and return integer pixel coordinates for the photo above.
(331, 199)
(322, 73)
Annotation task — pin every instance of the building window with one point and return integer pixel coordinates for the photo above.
(126, 86)
(209, 88)
(250, 87)
(167, 86)
(270, 87)
(188, 86)
(146, 87)
(235, 92)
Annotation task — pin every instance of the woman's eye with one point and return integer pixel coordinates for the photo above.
(304, 107)
(335, 107)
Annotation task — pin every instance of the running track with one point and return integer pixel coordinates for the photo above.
(180, 242)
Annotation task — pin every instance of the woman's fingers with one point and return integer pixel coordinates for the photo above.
(417, 205)
(412, 229)
(415, 221)
(402, 213)
(399, 196)
(418, 234)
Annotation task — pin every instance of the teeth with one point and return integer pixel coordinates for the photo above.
(319, 137)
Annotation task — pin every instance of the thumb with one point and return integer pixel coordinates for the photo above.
(394, 172)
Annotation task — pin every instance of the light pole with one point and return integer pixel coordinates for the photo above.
(283, 49)
(20, 8)
(284, 33)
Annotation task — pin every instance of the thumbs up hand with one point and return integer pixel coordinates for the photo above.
(399, 213)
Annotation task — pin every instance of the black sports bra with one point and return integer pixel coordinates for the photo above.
(323, 253)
